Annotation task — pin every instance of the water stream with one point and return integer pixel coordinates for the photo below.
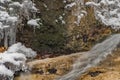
(90, 59)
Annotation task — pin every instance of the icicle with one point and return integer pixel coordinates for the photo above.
(6, 38)
(11, 15)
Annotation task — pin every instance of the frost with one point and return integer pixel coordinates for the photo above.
(3, 1)
(61, 19)
(107, 11)
(18, 47)
(33, 22)
(11, 16)
(70, 5)
(17, 4)
(14, 60)
(92, 3)
(45, 5)
(12, 19)
(56, 21)
(10, 63)
(6, 57)
(5, 71)
(79, 12)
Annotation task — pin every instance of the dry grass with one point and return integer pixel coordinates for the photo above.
(109, 69)
(62, 64)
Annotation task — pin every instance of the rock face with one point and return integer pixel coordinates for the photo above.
(58, 29)
(79, 38)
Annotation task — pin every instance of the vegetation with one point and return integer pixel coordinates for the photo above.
(50, 39)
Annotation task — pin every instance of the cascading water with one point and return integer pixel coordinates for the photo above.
(92, 57)
(108, 12)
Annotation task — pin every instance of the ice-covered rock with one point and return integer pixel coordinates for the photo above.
(19, 48)
(14, 59)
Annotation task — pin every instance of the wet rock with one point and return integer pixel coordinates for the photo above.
(109, 75)
(11, 66)
(39, 72)
(94, 74)
(4, 77)
(17, 73)
(52, 71)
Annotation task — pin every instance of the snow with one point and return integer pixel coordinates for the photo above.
(18, 47)
(16, 4)
(11, 12)
(34, 8)
(3, 1)
(92, 3)
(16, 59)
(70, 5)
(12, 19)
(5, 71)
(5, 26)
(29, 5)
(108, 12)
(6, 57)
(33, 22)
(79, 12)
(3, 15)
(11, 15)
(16, 56)
(2, 8)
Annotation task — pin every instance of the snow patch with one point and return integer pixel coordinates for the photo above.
(18, 47)
(108, 12)
(5, 71)
(33, 22)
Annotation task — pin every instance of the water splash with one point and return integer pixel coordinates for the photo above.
(92, 57)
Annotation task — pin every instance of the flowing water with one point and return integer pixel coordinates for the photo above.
(92, 57)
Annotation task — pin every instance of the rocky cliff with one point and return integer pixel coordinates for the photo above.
(58, 32)
(54, 16)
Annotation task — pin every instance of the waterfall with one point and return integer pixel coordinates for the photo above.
(91, 58)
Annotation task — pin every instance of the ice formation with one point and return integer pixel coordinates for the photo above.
(11, 16)
(79, 13)
(107, 11)
(14, 60)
